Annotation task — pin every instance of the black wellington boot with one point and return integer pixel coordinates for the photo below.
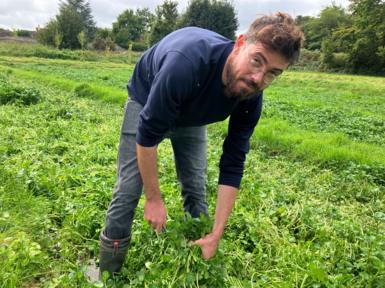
(112, 254)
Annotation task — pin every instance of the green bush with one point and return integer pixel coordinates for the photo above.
(139, 46)
(103, 44)
(331, 58)
(48, 34)
(84, 91)
(340, 60)
(24, 33)
(17, 95)
(308, 60)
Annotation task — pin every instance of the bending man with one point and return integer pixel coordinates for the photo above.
(189, 79)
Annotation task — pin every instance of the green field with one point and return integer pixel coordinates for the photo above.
(310, 213)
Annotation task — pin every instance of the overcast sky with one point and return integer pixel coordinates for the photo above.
(28, 14)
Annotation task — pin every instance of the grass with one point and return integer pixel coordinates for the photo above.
(18, 49)
(322, 148)
(111, 74)
(91, 90)
(348, 104)
(310, 212)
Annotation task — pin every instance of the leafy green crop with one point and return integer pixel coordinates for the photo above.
(18, 95)
(310, 212)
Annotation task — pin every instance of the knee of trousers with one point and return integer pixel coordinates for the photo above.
(194, 186)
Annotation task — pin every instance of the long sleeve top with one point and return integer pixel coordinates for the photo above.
(179, 83)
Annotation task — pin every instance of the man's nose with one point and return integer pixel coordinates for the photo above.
(257, 77)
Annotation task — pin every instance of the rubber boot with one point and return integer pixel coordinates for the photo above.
(112, 254)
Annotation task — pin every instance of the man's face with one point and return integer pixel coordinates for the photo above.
(250, 68)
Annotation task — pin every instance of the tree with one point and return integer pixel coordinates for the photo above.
(354, 40)
(131, 26)
(70, 24)
(24, 33)
(73, 18)
(302, 20)
(103, 40)
(367, 51)
(166, 16)
(84, 9)
(316, 29)
(82, 39)
(215, 15)
(58, 38)
(103, 33)
(49, 35)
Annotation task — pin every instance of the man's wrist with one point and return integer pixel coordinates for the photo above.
(153, 195)
(217, 234)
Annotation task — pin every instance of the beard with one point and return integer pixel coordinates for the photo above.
(232, 91)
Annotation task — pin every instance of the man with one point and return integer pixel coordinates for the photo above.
(191, 78)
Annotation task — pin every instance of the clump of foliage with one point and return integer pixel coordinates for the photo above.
(165, 21)
(138, 46)
(24, 33)
(349, 39)
(131, 26)
(72, 28)
(103, 40)
(367, 48)
(308, 60)
(20, 257)
(84, 91)
(169, 259)
(10, 94)
(218, 16)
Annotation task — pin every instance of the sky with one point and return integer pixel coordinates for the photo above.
(29, 14)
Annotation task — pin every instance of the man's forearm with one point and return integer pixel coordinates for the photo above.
(154, 209)
(225, 202)
(147, 162)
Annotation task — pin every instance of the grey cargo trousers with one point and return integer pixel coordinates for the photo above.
(190, 148)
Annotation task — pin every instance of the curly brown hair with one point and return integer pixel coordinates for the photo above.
(279, 33)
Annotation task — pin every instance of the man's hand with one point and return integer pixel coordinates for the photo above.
(225, 201)
(208, 244)
(155, 213)
(154, 209)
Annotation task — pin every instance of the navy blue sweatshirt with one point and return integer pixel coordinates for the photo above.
(179, 83)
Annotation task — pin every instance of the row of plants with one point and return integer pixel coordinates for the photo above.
(16, 49)
(310, 211)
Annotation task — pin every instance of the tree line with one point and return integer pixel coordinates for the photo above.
(351, 39)
(74, 28)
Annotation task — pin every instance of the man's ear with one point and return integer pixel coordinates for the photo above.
(241, 40)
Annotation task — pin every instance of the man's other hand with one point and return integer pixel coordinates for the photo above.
(208, 245)
(155, 213)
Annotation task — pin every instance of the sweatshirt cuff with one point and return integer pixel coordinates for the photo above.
(230, 180)
(146, 141)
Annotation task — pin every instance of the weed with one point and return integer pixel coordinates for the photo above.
(10, 94)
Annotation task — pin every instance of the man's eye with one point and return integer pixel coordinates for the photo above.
(257, 62)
